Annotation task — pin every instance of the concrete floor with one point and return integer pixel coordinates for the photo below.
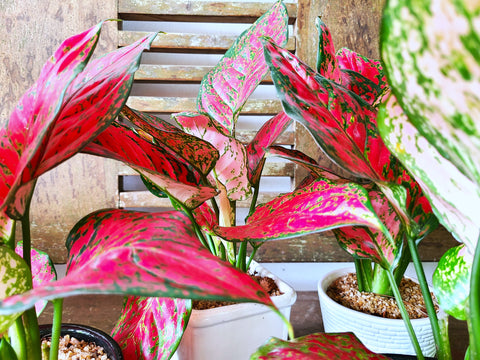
(101, 311)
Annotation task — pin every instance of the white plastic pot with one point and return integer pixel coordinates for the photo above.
(380, 335)
(234, 332)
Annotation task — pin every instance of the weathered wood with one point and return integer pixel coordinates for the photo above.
(145, 199)
(168, 105)
(186, 10)
(187, 42)
(30, 33)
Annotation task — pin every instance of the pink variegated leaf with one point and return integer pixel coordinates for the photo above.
(342, 124)
(191, 196)
(265, 137)
(43, 271)
(319, 346)
(196, 152)
(206, 218)
(227, 86)
(320, 206)
(363, 76)
(170, 173)
(143, 254)
(371, 243)
(327, 63)
(231, 168)
(151, 328)
(306, 161)
(68, 107)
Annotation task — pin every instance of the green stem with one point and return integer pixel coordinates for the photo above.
(17, 339)
(406, 318)
(252, 255)
(381, 283)
(441, 337)
(473, 306)
(33, 334)
(405, 260)
(242, 256)
(253, 203)
(363, 269)
(56, 328)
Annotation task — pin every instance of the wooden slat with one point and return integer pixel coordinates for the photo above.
(187, 10)
(168, 105)
(270, 169)
(176, 74)
(187, 42)
(145, 199)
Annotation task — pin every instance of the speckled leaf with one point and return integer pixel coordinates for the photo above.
(327, 64)
(231, 168)
(14, 279)
(143, 254)
(151, 328)
(266, 136)
(451, 194)
(431, 53)
(371, 243)
(6, 228)
(345, 346)
(322, 205)
(342, 123)
(169, 172)
(451, 281)
(227, 86)
(43, 271)
(196, 152)
(69, 105)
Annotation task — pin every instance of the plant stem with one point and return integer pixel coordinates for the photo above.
(17, 339)
(441, 337)
(56, 328)
(33, 334)
(406, 318)
(363, 269)
(473, 306)
(380, 283)
(242, 256)
(405, 260)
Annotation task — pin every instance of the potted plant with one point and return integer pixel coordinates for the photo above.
(110, 251)
(204, 169)
(427, 53)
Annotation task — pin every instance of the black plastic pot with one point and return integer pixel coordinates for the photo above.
(87, 333)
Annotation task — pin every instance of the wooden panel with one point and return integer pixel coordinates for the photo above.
(186, 10)
(30, 32)
(185, 42)
(167, 105)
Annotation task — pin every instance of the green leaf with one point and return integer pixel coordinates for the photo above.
(451, 281)
(15, 278)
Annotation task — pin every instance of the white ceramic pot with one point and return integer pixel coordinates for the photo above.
(234, 332)
(380, 335)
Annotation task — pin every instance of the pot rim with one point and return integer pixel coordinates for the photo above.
(334, 274)
(285, 300)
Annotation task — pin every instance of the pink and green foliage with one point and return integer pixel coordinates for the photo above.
(317, 346)
(151, 328)
(225, 89)
(322, 205)
(69, 105)
(142, 254)
(343, 123)
(431, 124)
(43, 271)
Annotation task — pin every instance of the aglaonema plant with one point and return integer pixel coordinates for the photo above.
(204, 169)
(109, 251)
(430, 122)
(338, 104)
